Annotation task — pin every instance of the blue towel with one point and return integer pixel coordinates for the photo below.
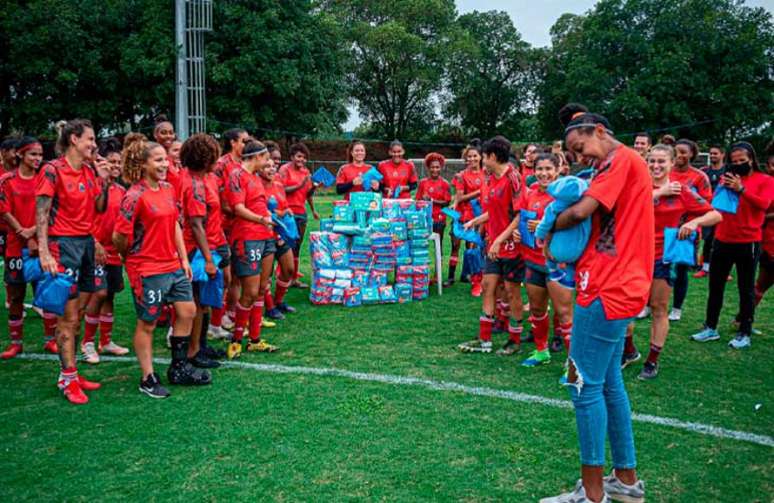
(679, 251)
(323, 177)
(725, 200)
(566, 245)
(52, 293)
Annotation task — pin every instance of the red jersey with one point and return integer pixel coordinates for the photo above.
(438, 190)
(768, 232)
(106, 223)
(289, 175)
(673, 211)
(17, 197)
(465, 182)
(397, 174)
(174, 174)
(534, 199)
(199, 198)
(148, 218)
(746, 226)
(617, 265)
(73, 194)
(694, 179)
(223, 168)
(246, 188)
(347, 173)
(501, 201)
(276, 190)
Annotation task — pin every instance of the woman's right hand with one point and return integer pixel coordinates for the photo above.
(358, 180)
(48, 263)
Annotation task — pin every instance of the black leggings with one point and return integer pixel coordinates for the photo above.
(681, 285)
(724, 256)
(708, 234)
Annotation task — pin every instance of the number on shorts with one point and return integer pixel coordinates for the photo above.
(254, 255)
(154, 296)
(15, 264)
(99, 271)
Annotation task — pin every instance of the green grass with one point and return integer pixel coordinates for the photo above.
(257, 435)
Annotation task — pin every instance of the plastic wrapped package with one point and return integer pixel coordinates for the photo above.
(365, 201)
(419, 233)
(380, 225)
(326, 224)
(399, 230)
(370, 294)
(387, 294)
(402, 249)
(343, 213)
(342, 283)
(352, 297)
(344, 274)
(404, 291)
(391, 209)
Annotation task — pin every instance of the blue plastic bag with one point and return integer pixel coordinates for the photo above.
(678, 251)
(323, 177)
(52, 292)
(369, 176)
(31, 265)
(198, 265)
(475, 205)
(211, 291)
(286, 228)
(725, 200)
(474, 258)
(527, 237)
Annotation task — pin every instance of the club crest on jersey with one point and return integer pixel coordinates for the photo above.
(584, 279)
(81, 187)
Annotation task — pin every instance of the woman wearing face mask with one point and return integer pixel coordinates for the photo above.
(350, 176)
(738, 243)
(400, 177)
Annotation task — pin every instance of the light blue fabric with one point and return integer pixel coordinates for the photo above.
(31, 266)
(198, 265)
(725, 200)
(53, 292)
(567, 245)
(369, 176)
(324, 177)
(679, 251)
(527, 237)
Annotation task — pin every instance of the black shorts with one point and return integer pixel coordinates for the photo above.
(536, 275)
(249, 254)
(14, 271)
(438, 228)
(509, 269)
(664, 271)
(158, 290)
(281, 249)
(225, 256)
(109, 277)
(75, 256)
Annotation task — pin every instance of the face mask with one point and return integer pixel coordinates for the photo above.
(740, 169)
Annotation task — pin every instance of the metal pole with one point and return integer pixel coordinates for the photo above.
(181, 86)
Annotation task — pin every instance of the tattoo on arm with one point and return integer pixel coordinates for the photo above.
(42, 210)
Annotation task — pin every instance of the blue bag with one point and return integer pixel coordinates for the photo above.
(211, 291)
(453, 214)
(52, 293)
(470, 235)
(527, 237)
(369, 176)
(323, 177)
(31, 266)
(198, 264)
(286, 228)
(678, 251)
(474, 258)
(725, 200)
(475, 205)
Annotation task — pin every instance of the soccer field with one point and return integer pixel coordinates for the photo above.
(375, 403)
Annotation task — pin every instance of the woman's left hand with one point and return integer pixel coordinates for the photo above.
(733, 182)
(186, 266)
(686, 229)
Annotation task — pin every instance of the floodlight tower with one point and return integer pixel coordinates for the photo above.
(192, 19)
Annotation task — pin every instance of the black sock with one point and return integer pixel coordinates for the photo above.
(179, 348)
(203, 333)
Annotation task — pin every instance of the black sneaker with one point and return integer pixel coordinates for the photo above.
(202, 361)
(448, 283)
(465, 279)
(275, 314)
(182, 372)
(212, 353)
(649, 371)
(284, 308)
(628, 358)
(556, 344)
(152, 387)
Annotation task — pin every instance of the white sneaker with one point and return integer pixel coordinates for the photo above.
(227, 323)
(36, 309)
(169, 336)
(114, 349)
(644, 313)
(90, 354)
(675, 314)
(578, 495)
(214, 332)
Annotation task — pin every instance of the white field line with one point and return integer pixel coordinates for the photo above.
(515, 396)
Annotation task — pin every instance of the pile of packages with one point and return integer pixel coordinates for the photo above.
(372, 251)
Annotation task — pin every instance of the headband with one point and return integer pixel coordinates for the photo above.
(257, 152)
(28, 147)
(585, 124)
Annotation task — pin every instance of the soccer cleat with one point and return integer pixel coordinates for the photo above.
(152, 387)
(643, 314)
(267, 324)
(227, 323)
(87, 385)
(299, 284)
(200, 360)
(260, 346)
(578, 495)
(212, 353)
(285, 308)
(234, 350)
(74, 393)
(275, 314)
(114, 349)
(90, 354)
(649, 371)
(629, 358)
(476, 346)
(214, 332)
(675, 314)
(537, 358)
(509, 348)
(50, 347)
(706, 335)
(740, 341)
(476, 289)
(183, 373)
(11, 351)
(35, 309)
(618, 491)
(700, 274)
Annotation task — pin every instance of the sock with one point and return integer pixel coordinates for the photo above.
(629, 344)
(295, 267)
(502, 314)
(453, 261)
(540, 332)
(179, 348)
(485, 325)
(90, 328)
(16, 330)
(66, 376)
(105, 329)
(240, 321)
(565, 332)
(256, 315)
(268, 300)
(49, 326)
(280, 290)
(203, 332)
(216, 319)
(515, 330)
(655, 352)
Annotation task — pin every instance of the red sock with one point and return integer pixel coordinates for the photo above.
(295, 267)
(240, 322)
(514, 330)
(565, 332)
(280, 290)
(268, 300)
(49, 325)
(256, 316)
(16, 330)
(216, 318)
(655, 352)
(629, 344)
(540, 332)
(90, 328)
(485, 325)
(105, 329)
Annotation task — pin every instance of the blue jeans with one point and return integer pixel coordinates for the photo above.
(600, 399)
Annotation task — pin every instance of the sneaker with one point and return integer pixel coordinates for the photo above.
(169, 337)
(90, 354)
(754, 331)
(706, 335)
(227, 323)
(700, 274)
(649, 371)
(50, 347)
(214, 332)
(578, 495)
(643, 314)
(299, 284)
(740, 341)
(265, 323)
(285, 308)
(11, 351)
(36, 310)
(182, 372)
(74, 393)
(152, 387)
(537, 358)
(212, 353)
(629, 358)
(476, 346)
(476, 289)
(260, 346)
(556, 344)
(448, 283)
(200, 360)
(114, 349)
(618, 491)
(275, 314)
(508, 349)
(234, 350)
(675, 314)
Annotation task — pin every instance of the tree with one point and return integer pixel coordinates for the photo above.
(649, 64)
(489, 76)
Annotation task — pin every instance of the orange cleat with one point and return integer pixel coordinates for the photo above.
(51, 347)
(75, 394)
(700, 274)
(476, 289)
(88, 385)
(11, 351)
